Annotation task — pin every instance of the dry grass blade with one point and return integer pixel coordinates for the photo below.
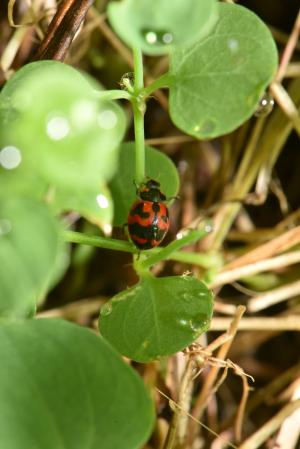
(268, 429)
(226, 277)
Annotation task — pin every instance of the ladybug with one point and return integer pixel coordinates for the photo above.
(148, 218)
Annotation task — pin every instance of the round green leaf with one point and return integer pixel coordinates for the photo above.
(62, 387)
(157, 317)
(63, 131)
(158, 166)
(95, 204)
(29, 247)
(217, 83)
(159, 25)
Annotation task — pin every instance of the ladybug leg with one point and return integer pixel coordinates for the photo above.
(177, 197)
(125, 228)
(136, 187)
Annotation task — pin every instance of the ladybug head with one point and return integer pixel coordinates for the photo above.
(150, 191)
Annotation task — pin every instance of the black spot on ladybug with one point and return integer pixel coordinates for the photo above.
(139, 210)
(164, 218)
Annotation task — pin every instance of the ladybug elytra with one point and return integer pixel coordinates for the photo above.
(148, 218)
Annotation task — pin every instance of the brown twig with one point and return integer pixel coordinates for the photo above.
(231, 275)
(289, 49)
(275, 246)
(288, 323)
(69, 16)
(212, 375)
(274, 296)
(261, 435)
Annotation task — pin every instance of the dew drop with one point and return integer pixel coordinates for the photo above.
(102, 201)
(107, 119)
(106, 309)
(183, 323)
(208, 228)
(10, 157)
(83, 113)
(198, 323)
(207, 126)
(157, 37)
(58, 128)
(233, 45)
(5, 226)
(107, 228)
(265, 106)
(187, 297)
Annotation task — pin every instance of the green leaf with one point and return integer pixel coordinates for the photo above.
(217, 82)
(63, 131)
(62, 387)
(157, 317)
(158, 166)
(68, 138)
(29, 247)
(159, 25)
(93, 204)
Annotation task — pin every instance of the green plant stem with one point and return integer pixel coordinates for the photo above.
(138, 70)
(165, 253)
(164, 81)
(116, 94)
(204, 260)
(139, 107)
(100, 242)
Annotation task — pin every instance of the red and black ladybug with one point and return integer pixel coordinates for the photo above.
(148, 218)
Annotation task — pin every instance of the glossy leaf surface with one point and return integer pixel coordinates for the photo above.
(156, 317)
(159, 25)
(63, 387)
(64, 134)
(29, 247)
(217, 82)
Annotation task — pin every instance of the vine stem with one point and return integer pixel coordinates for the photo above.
(139, 107)
(191, 237)
(116, 94)
(203, 260)
(164, 81)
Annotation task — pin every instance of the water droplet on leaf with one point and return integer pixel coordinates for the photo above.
(233, 45)
(83, 113)
(206, 127)
(102, 201)
(107, 119)
(157, 37)
(198, 323)
(10, 157)
(58, 128)
(106, 309)
(187, 297)
(265, 106)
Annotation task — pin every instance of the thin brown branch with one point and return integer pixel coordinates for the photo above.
(274, 296)
(231, 275)
(213, 373)
(288, 323)
(289, 49)
(268, 429)
(277, 245)
(286, 104)
(68, 18)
